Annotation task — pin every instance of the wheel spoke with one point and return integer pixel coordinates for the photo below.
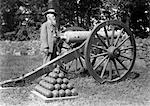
(102, 60)
(123, 42)
(81, 62)
(93, 61)
(106, 36)
(126, 57)
(118, 37)
(104, 68)
(99, 47)
(127, 48)
(70, 65)
(122, 64)
(110, 70)
(112, 36)
(102, 41)
(76, 63)
(115, 64)
(80, 57)
(98, 55)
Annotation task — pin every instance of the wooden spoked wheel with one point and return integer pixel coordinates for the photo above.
(73, 67)
(112, 47)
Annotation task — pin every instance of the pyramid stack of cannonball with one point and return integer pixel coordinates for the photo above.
(54, 85)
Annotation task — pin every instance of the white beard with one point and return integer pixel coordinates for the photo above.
(53, 22)
(51, 18)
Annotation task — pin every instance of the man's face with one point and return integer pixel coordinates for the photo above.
(52, 18)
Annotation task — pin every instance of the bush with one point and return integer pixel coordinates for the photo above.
(9, 36)
(24, 34)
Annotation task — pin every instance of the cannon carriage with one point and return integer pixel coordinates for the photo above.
(108, 52)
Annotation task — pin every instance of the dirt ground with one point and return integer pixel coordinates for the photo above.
(134, 91)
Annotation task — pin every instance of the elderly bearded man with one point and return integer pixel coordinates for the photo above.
(48, 36)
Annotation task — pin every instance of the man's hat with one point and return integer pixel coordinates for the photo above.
(50, 11)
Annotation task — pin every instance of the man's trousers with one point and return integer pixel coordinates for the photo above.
(48, 57)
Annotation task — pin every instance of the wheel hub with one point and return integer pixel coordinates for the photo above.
(113, 52)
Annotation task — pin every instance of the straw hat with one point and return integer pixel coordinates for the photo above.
(50, 11)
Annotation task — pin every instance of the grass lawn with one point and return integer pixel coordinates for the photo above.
(14, 66)
(131, 92)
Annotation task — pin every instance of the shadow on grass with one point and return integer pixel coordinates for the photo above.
(133, 75)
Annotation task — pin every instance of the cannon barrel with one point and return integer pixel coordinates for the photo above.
(109, 54)
(80, 36)
(76, 36)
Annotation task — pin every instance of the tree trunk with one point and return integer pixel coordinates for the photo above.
(149, 16)
(88, 20)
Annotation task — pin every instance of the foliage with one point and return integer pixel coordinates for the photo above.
(134, 13)
(78, 12)
(67, 14)
(22, 18)
(139, 19)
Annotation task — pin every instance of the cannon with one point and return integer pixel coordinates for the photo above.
(108, 52)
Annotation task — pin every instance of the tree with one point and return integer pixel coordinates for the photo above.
(15, 13)
(68, 11)
(134, 13)
(138, 14)
(88, 9)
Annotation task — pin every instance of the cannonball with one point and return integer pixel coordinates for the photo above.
(47, 85)
(59, 81)
(69, 86)
(65, 80)
(61, 75)
(57, 86)
(55, 93)
(61, 93)
(68, 92)
(43, 91)
(50, 80)
(56, 70)
(53, 74)
(53, 81)
(74, 92)
(63, 86)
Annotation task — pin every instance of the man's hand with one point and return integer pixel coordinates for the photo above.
(57, 38)
(63, 37)
(46, 51)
